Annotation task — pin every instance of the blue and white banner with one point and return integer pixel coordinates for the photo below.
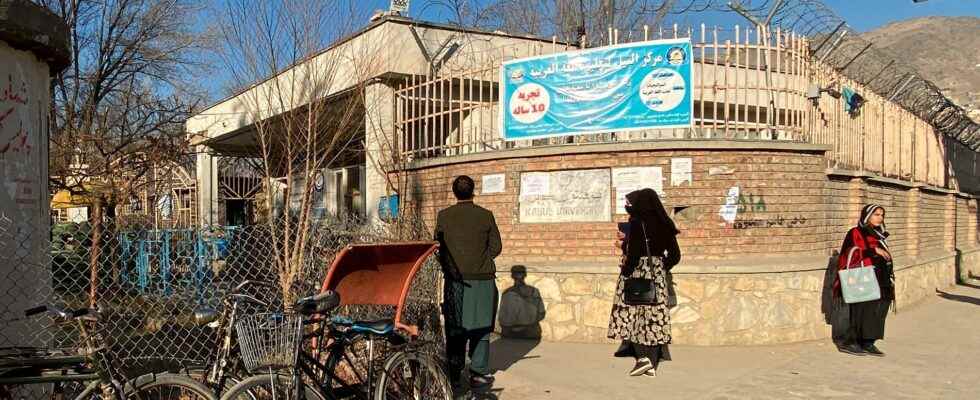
(645, 85)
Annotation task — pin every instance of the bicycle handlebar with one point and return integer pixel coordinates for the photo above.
(30, 312)
(71, 314)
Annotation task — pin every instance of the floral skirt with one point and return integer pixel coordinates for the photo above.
(647, 325)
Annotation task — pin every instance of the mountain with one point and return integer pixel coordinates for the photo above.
(946, 50)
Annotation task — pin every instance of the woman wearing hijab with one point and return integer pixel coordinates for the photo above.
(644, 329)
(867, 319)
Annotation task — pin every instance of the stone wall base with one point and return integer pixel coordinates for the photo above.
(724, 308)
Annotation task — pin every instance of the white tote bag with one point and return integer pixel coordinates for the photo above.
(858, 282)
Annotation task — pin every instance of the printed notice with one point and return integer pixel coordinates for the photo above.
(729, 211)
(493, 184)
(680, 171)
(535, 184)
(626, 180)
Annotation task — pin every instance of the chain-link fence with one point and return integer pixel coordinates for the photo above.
(147, 282)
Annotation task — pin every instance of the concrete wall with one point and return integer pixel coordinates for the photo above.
(760, 280)
(32, 47)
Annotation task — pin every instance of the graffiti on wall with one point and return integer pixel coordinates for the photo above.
(13, 110)
(21, 119)
(751, 203)
(773, 222)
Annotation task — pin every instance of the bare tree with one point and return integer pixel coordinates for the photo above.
(305, 101)
(118, 110)
(574, 21)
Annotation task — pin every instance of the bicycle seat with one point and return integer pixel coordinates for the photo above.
(379, 327)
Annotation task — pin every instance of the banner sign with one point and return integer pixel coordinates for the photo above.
(644, 85)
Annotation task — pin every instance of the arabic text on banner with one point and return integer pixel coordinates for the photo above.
(644, 85)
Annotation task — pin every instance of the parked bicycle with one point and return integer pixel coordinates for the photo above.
(225, 368)
(286, 349)
(93, 367)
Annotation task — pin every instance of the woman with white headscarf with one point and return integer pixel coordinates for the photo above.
(867, 319)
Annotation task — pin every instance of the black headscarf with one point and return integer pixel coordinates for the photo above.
(645, 209)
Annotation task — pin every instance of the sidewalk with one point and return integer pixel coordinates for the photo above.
(933, 352)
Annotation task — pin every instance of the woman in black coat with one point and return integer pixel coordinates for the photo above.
(645, 329)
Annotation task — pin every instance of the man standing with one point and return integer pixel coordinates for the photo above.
(468, 243)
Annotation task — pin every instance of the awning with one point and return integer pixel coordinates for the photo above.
(64, 199)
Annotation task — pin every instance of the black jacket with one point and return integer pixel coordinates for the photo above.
(468, 233)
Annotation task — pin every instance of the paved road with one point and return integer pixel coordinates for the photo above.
(933, 353)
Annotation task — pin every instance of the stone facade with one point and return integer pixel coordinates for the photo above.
(763, 279)
(720, 309)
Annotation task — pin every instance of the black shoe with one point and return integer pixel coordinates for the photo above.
(641, 367)
(851, 348)
(480, 380)
(872, 350)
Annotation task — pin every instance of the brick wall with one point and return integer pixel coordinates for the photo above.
(841, 213)
(782, 300)
(776, 186)
(963, 222)
(932, 224)
(896, 203)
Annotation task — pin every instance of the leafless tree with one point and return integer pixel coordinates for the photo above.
(574, 21)
(117, 111)
(305, 100)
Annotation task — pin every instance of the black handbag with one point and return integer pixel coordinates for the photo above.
(641, 291)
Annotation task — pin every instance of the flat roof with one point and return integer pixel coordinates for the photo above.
(396, 19)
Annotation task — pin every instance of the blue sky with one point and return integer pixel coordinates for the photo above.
(864, 15)
(861, 15)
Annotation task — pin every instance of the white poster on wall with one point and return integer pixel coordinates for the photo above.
(493, 184)
(535, 184)
(565, 196)
(626, 180)
(729, 211)
(680, 171)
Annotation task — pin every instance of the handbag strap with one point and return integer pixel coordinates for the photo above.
(646, 240)
(850, 254)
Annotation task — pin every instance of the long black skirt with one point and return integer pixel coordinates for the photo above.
(867, 320)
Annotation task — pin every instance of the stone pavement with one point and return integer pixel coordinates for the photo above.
(933, 352)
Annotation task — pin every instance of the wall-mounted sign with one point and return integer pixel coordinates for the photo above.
(644, 85)
(399, 6)
(493, 184)
(565, 196)
(626, 180)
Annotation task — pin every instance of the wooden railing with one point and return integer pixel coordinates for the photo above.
(735, 97)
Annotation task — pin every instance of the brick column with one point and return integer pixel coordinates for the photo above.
(971, 223)
(912, 222)
(950, 223)
(857, 199)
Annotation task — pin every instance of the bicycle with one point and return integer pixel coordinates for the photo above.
(225, 369)
(275, 343)
(95, 367)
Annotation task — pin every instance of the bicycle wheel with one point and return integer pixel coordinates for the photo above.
(348, 367)
(167, 387)
(267, 387)
(413, 375)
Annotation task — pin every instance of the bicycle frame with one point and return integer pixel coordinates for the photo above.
(217, 373)
(98, 369)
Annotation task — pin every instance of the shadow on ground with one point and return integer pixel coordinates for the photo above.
(958, 297)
